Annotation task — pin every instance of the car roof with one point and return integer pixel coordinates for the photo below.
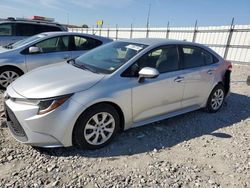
(59, 33)
(159, 41)
(32, 22)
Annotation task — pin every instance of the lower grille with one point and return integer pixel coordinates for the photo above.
(14, 125)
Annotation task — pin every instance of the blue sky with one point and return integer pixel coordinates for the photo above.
(125, 12)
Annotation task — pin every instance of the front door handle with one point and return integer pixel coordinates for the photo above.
(210, 72)
(179, 79)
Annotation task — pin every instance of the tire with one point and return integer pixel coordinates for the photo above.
(8, 75)
(93, 125)
(216, 99)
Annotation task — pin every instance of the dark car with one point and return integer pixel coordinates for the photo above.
(13, 30)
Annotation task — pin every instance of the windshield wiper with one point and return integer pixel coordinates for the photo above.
(73, 62)
(8, 46)
(88, 68)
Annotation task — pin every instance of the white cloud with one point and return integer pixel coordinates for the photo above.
(9, 10)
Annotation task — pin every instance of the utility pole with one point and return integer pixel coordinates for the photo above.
(149, 11)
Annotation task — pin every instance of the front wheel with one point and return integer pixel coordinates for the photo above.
(216, 99)
(96, 127)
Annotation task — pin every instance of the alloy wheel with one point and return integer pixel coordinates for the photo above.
(217, 99)
(99, 128)
(7, 77)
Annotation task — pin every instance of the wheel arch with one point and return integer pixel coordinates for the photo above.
(114, 105)
(117, 108)
(12, 67)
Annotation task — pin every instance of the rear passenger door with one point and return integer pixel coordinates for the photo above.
(81, 44)
(198, 68)
(53, 50)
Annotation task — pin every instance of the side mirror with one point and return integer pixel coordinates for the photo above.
(34, 50)
(147, 72)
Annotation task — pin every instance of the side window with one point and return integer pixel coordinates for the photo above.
(38, 29)
(164, 59)
(6, 29)
(46, 28)
(23, 29)
(55, 44)
(196, 57)
(209, 58)
(85, 43)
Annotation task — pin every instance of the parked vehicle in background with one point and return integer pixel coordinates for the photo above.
(117, 86)
(43, 49)
(13, 30)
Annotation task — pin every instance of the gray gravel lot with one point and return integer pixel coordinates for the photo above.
(192, 150)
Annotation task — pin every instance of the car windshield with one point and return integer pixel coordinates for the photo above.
(25, 41)
(108, 58)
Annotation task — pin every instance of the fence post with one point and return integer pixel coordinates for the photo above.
(131, 31)
(100, 31)
(116, 32)
(87, 30)
(147, 31)
(195, 31)
(167, 34)
(108, 32)
(231, 30)
(93, 32)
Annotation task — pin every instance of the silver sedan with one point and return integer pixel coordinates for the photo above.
(117, 86)
(43, 49)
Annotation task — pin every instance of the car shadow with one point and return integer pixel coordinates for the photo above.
(169, 132)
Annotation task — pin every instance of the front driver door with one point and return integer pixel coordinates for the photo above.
(161, 95)
(53, 50)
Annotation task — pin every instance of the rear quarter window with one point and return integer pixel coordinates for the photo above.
(193, 56)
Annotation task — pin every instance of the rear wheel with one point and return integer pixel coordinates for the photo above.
(216, 99)
(96, 127)
(8, 75)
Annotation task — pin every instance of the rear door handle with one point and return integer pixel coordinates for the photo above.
(210, 72)
(179, 79)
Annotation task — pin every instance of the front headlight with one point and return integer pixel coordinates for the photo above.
(45, 105)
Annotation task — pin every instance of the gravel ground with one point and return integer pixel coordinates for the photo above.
(192, 150)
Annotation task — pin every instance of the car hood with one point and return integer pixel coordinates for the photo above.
(55, 80)
(2, 49)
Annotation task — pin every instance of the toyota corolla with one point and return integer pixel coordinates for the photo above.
(124, 84)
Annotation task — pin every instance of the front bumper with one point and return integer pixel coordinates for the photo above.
(53, 129)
